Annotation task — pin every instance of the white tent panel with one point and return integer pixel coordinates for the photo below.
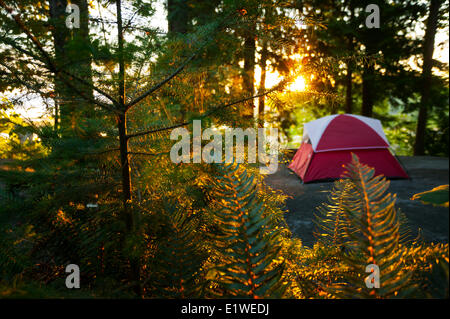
(315, 129)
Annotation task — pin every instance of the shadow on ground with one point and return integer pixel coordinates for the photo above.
(426, 173)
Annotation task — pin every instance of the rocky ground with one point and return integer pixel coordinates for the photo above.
(426, 173)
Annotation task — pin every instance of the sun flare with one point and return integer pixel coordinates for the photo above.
(273, 78)
(298, 85)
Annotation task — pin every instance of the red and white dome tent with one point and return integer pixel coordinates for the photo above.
(328, 142)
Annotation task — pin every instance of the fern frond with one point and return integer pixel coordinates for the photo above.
(331, 222)
(373, 214)
(429, 266)
(250, 245)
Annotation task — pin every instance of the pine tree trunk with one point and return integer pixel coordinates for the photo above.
(348, 79)
(367, 90)
(348, 93)
(177, 16)
(262, 82)
(178, 20)
(83, 65)
(124, 156)
(419, 145)
(60, 33)
(68, 111)
(368, 76)
(249, 69)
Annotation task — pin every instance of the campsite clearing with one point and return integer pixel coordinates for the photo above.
(426, 172)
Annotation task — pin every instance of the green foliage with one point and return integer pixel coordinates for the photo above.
(248, 241)
(373, 214)
(174, 264)
(17, 138)
(428, 264)
(311, 271)
(334, 227)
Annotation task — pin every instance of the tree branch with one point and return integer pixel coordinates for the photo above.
(148, 154)
(160, 84)
(27, 85)
(277, 87)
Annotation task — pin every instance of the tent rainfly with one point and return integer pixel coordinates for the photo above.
(328, 142)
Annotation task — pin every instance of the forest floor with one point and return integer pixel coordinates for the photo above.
(426, 172)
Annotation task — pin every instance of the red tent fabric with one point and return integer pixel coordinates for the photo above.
(329, 141)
